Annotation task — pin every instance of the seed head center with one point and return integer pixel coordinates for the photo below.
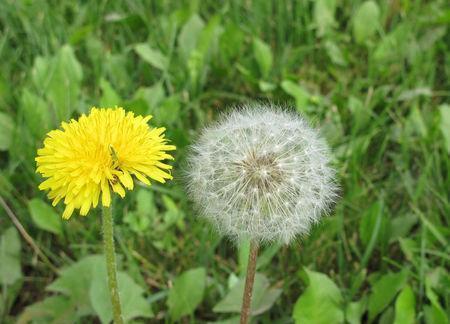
(261, 170)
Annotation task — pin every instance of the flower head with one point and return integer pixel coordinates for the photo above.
(98, 153)
(261, 173)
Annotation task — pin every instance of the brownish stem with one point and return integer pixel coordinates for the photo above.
(249, 280)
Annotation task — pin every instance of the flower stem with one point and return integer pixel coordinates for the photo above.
(249, 280)
(108, 245)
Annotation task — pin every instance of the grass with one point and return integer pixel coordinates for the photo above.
(374, 77)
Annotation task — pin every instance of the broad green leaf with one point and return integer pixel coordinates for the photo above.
(74, 282)
(360, 113)
(168, 111)
(44, 216)
(59, 79)
(371, 220)
(6, 131)
(387, 317)
(173, 214)
(320, 303)
(299, 93)
(445, 124)
(335, 53)
(408, 246)
(405, 307)
(109, 97)
(152, 95)
(324, 16)
(54, 309)
(115, 66)
(384, 291)
(186, 293)
(85, 285)
(263, 297)
(36, 114)
(393, 46)
(263, 56)
(10, 245)
(266, 86)
(400, 226)
(131, 296)
(366, 21)
(266, 256)
(189, 35)
(435, 315)
(140, 219)
(152, 56)
(354, 311)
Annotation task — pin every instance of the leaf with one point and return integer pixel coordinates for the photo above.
(321, 301)
(85, 285)
(394, 46)
(298, 92)
(366, 21)
(384, 291)
(44, 216)
(373, 215)
(168, 111)
(54, 309)
(131, 296)
(387, 317)
(354, 311)
(405, 307)
(266, 256)
(324, 16)
(36, 113)
(109, 97)
(140, 219)
(263, 297)
(186, 293)
(335, 53)
(74, 282)
(152, 95)
(360, 113)
(400, 226)
(435, 315)
(6, 131)
(10, 245)
(152, 56)
(189, 35)
(444, 111)
(59, 79)
(263, 56)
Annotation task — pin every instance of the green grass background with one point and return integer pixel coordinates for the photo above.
(374, 76)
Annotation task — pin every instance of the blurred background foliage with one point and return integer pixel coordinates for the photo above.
(374, 75)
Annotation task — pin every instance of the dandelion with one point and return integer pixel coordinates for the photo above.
(261, 174)
(98, 154)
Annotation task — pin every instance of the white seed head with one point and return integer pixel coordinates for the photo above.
(261, 173)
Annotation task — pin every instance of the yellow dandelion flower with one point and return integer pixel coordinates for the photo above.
(98, 153)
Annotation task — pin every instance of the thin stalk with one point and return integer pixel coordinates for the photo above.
(249, 280)
(108, 245)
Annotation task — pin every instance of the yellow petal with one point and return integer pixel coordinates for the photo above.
(68, 211)
(106, 196)
(126, 179)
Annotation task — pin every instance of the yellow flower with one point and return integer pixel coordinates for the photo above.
(99, 152)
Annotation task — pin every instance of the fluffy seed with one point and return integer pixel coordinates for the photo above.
(261, 173)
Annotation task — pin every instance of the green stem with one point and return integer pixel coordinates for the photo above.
(249, 280)
(108, 245)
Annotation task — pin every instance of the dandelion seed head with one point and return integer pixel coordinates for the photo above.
(268, 170)
(100, 152)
